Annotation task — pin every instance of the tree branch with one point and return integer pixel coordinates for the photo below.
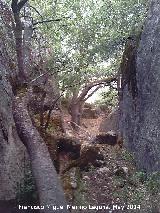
(97, 88)
(112, 87)
(21, 4)
(47, 21)
(95, 83)
(37, 11)
(50, 110)
(14, 6)
(42, 75)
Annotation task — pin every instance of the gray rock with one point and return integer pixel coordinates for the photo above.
(122, 172)
(140, 113)
(104, 170)
(13, 156)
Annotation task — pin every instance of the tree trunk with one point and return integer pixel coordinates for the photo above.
(75, 112)
(19, 48)
(18, 32)
(48, 186)
(78, 100)
(27, 39)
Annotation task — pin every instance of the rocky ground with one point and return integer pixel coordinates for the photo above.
(117, 185)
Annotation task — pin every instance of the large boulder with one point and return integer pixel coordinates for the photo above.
(109, 138)
(139, 93)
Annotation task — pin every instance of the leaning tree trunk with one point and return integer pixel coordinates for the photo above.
(48, 185)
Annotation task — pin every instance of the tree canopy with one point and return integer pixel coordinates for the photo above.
(84, 39)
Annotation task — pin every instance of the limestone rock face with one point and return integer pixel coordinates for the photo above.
(140, 110)
(12, 151)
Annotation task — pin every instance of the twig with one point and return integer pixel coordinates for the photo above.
(50, 111)
(82, 129)
(47, 21)
(36, 11)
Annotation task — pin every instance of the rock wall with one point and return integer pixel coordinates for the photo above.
(12, 152)
(140, 94)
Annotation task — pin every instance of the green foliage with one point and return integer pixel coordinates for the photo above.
(128, 156)
(80, 194)
(87, 35)
(108, 99)
(128, 193)
(139, 189)
(83, 38)
(26, 191)
(140, 176)
(153, 183)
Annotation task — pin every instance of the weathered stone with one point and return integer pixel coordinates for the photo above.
(140, 110)
(12, 151)
(13, 155)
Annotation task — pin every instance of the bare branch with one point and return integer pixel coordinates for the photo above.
(112, 87)
(49, 73)
(18, 39)
(88, 134)
(50, 110)
(21, 4)
(97, 88)
(35, 79)
(47, 21)
(37, 11)
(103, 81)
(95, 83)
